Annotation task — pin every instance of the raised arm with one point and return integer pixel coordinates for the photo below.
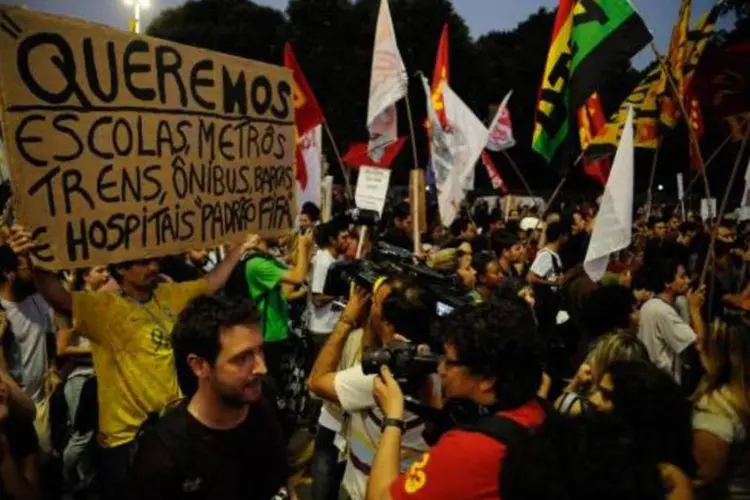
(49, 286)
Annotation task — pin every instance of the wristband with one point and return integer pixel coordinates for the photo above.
(394, 422)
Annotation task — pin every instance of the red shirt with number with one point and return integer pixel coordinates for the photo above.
(462, 465)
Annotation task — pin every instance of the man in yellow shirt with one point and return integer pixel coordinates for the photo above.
(130, 333)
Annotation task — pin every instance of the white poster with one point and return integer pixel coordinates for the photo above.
(372, 188)
(326, 198)
(708, 208)
(312, 153)
(680, 187)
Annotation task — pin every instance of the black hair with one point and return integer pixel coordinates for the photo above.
(688, 226)
(589, 457)
(498, 339)
(8, 262)
(328, 232)
(502, 241)
(198, 331)
(607, 309)
(311, 210)
(555, 231)
(406, 308)
(459, 225)
(652, 221)
(401, 210)
(481, 260)
(655, 408)
(661, 273)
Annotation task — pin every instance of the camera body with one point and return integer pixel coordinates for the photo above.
(403, 359)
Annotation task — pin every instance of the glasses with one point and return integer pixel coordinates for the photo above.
(450, 362)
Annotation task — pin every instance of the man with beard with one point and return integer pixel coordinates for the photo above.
(30, 320)
(224, 442)
(130, 333)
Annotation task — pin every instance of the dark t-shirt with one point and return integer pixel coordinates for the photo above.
(22, 442)
(248, 462)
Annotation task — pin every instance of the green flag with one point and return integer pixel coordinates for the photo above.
(597, 37)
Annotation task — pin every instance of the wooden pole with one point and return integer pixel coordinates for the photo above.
(723, 206)
(343, 168)
(709, 162)
(678, 97)
(518, 172)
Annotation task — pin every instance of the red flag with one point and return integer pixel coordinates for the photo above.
(440, 74)
(358, 155)
(497, 182)
(307, 113)
(591, 122)
(722, 81)
(695, 122)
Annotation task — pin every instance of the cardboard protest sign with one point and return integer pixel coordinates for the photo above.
(123, 147)
(372, 188)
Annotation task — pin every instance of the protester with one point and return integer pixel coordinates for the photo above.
(463, 229)
(400, 232)
(488, 277)
(721, 417)
(491, 357)
(510, 254)
(130, 334)
(31, 323)
(333, 240)
(608, 349)
(224, 441)
(664, 332)
(19, 445)
(653, 406)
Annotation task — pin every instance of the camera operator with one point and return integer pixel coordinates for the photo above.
(492, 358)
(337, 376)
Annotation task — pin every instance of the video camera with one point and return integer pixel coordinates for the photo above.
(444, 292)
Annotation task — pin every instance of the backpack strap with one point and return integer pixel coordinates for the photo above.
(502, 429)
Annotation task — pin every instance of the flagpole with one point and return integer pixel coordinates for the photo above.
(678, 97)
(709, 162)
(344, 171)
(723, 206)
(518, 172)
(411, 131)
(651, 183)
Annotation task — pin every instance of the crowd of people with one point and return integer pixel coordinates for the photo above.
(186, 376)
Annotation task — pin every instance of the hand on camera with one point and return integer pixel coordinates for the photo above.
(388, 394)
(357, 308)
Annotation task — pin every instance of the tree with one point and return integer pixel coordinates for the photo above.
(236, 27)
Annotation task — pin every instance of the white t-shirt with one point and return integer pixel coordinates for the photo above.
(322, 319)
(665, 334)
(545, 263)
(30, 321)
(355, 392)
(714, 414)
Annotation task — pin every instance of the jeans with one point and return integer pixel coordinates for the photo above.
(326, 470)
(78, 456)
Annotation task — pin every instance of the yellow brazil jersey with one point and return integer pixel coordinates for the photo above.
(130, 346)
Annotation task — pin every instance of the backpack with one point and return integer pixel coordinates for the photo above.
(505, 430)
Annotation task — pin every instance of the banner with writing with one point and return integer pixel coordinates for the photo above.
(122, 146)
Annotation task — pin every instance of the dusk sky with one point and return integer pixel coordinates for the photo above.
(481, 15)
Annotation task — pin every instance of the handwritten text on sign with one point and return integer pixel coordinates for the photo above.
(122, 146)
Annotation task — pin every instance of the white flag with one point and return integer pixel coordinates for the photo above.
(614, 223)
(501, 128)
(439, 151)
(466, 137)
(388, 84)
(311, 145)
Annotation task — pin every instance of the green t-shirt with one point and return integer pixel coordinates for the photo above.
(263, 275)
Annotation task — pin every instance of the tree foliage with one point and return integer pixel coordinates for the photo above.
(333, 41)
